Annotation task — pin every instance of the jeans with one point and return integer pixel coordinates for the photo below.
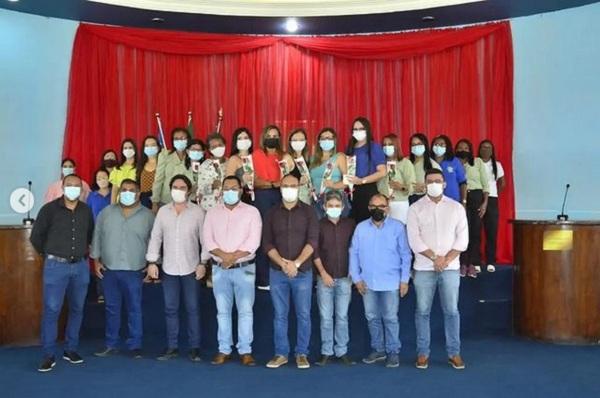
(265, 199)
(229, 285)
(119, 287)
(173, 286)
(62, 279)
(383, 306)
(301, 290)
(425, 284)
(334, 299)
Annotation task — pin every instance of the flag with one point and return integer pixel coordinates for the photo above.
(160, 134)
(190, 125)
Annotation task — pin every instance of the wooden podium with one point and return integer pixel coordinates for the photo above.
(557, 281)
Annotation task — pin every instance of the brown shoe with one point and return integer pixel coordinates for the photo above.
(277, 361)
(456, 362)
(220, 359)
(422, 362)
(302, 362)
(346, 360)
(323, 360)
(247, 360)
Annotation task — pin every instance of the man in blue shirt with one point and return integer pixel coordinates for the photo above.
(380, 268)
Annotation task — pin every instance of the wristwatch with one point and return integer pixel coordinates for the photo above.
(363, 181)
(464, 201)
(297, 264)
(434, 257)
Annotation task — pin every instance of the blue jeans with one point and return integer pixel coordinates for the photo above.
(301, 290)
(338, 298)
(229, 285)
(381, 311)
(119, 287)
(173, 287)
(62, 279)
(265, 199)
(426, 283)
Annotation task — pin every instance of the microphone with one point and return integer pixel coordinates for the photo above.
(28, 221)
(562, 216)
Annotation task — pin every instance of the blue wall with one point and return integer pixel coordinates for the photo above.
(557, 102)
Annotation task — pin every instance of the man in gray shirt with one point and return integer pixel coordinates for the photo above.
(119, 249)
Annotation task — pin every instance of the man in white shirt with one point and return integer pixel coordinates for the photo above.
(437, 233)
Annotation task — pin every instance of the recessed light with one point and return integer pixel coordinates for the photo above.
(13, 1)
(291, 25)
(158, 19)
(428, 18)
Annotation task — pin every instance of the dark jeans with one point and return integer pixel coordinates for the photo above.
(119, 287)
(173, 288)
(473, 254)
(145, 199)
(265, 199)
(413, 198)
(62, 279)
(490, 226)
(360, 201)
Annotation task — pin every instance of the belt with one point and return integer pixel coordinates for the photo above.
(237, 265)
(70, 260)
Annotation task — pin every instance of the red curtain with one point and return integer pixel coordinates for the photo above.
(453, 81)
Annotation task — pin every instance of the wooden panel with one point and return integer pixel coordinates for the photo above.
(557, 293)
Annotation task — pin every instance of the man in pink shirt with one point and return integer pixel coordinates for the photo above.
(55, 190)
(437, 234)
(232, 232)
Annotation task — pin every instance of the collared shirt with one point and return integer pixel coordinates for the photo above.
(55, 191)
(289, 231)
(489, 168)
(62, 232)
(230, 230)
(439, 227)
(404, 173)
(334, 241)
(380, 256)
(121, 242)
(169, 165)
(97, 202)
(208, 173)
(477, 176)
(420, 171)
(454, 175)
(180, 236)
(365, 165)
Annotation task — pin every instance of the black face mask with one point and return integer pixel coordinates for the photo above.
(271, 143)
(377, 215)
(110, 163)
(463, 155)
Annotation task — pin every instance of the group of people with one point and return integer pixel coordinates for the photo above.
(270, 218)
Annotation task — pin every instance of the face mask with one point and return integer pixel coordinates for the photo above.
(151, 150)
(178, 196)
(334, 212)
(377, 214)
(389, 150)
(289, 194)
(218, 152)
(67, 171)
(196, 155)
(102, 183)
(230, 197)
(127, 198)
(298, 145)
(110, 163)
(359, 134)
(128, 153)
(271, 143)
(439, 150)
(243, 144)
(463, 154)
(72, 193)
(418, 150)
(180, 145)
(327, 145)
(435, 189)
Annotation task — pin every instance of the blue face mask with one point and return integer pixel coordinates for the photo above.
(180, 145)
(418, 150)
(327, 145)
(151, 150)
(127, 198)
(230, 197)
(67, 171)
(334, 212)
(196, 155)
(439, 150)
(72, 193)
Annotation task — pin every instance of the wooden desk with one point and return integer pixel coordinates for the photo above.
(557, 285)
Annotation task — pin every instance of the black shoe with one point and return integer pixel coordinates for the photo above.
(106, 352)
(195, 355)
(136, 353)
(47, 364)
(72, 357)
(346, 360)
(323, 360)
(169, 353)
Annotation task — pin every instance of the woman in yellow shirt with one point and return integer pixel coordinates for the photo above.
(125, 169)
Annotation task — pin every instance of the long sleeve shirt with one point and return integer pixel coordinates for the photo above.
(168, 166)
(230, 230)
(180, 236)
(439, 227)
(121, 242)
(477, 176)
(380, 255)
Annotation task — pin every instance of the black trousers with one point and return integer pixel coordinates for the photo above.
(473, 254)
(414, 197)
(360, 201)
(490, 226)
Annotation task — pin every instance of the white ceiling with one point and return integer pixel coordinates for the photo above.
(285, 8)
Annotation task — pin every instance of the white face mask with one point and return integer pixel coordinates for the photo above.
(418, 150)
(178, 196)
(128, 153)
(359, 134)
(289, 194)
(435, 189)
(389, 150)
(298, 145)
(218, 152)
(243, 144)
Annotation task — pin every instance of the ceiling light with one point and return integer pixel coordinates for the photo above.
(158, 20)
(428, 18)
(13, 1)
(291, 25)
